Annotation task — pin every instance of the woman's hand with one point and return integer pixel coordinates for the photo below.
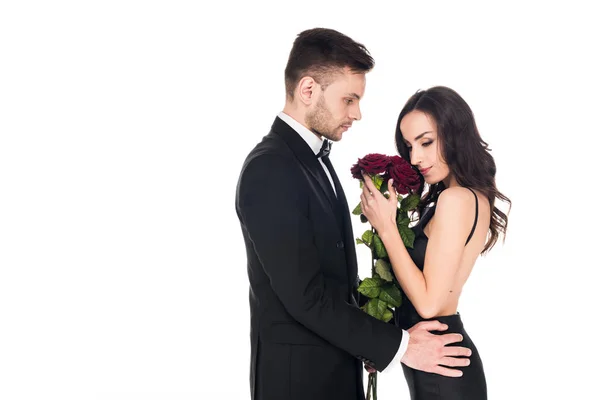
(380, 212)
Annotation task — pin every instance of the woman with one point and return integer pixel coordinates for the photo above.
(458, 221)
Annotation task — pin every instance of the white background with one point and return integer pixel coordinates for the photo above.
(123, 129)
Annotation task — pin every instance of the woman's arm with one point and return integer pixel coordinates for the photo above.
(427, 290)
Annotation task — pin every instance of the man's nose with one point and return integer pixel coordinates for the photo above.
(355, 114)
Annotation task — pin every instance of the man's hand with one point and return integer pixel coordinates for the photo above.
(428, 352)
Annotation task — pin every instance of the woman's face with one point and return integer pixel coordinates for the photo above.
(420, 135)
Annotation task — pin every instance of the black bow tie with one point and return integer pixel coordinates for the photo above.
(325, 149)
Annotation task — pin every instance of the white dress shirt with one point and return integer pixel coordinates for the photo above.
(315, 144)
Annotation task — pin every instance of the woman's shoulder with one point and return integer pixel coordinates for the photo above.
(455, 198)
(459, 202)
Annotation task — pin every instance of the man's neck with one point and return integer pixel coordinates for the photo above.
(297, 114)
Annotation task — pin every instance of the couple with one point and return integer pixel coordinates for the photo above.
(309, 339)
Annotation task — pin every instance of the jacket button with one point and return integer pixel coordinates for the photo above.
(340, 245)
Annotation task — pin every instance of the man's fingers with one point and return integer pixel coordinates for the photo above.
(454, 362)
(431, 326)
(453, 373)
(456, 351)
(451, 338)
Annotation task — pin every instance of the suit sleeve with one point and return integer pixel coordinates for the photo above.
(274, 213)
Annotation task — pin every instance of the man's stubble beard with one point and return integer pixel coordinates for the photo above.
(320, 120)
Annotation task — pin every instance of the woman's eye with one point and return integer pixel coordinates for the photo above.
(426, 144)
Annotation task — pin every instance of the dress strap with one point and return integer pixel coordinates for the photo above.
(476, 215)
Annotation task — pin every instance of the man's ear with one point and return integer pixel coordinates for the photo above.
(307, 88)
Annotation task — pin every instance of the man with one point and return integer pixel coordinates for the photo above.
(308, 337)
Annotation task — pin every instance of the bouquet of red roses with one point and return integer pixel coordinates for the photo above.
(382, 288)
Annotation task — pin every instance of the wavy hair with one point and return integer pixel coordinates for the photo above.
(468, 157)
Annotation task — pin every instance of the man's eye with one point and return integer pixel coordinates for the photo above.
(349, 101)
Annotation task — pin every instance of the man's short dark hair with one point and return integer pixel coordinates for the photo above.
(321, 53)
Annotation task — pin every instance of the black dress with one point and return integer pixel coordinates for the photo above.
(428, 386)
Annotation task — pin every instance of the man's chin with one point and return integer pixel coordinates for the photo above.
(334, 138)
(341, 130)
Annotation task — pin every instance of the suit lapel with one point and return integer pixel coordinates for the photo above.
(307, 158)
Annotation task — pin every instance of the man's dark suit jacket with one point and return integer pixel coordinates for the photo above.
(308, 337)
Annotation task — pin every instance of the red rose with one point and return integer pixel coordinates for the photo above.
(356, 171)
(406, 179)
(371, 164)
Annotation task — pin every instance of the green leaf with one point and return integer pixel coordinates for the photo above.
(384, 270)
(402, 218)
(380, 251)
(363, 219)
(407, 235)
(378, 309)
(384, 187)
(377, 181)
(391, 294)
(357, 210)
(367, 237)
(410, 202)
(370, 287)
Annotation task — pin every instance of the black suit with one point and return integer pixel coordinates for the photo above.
(308, 337)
